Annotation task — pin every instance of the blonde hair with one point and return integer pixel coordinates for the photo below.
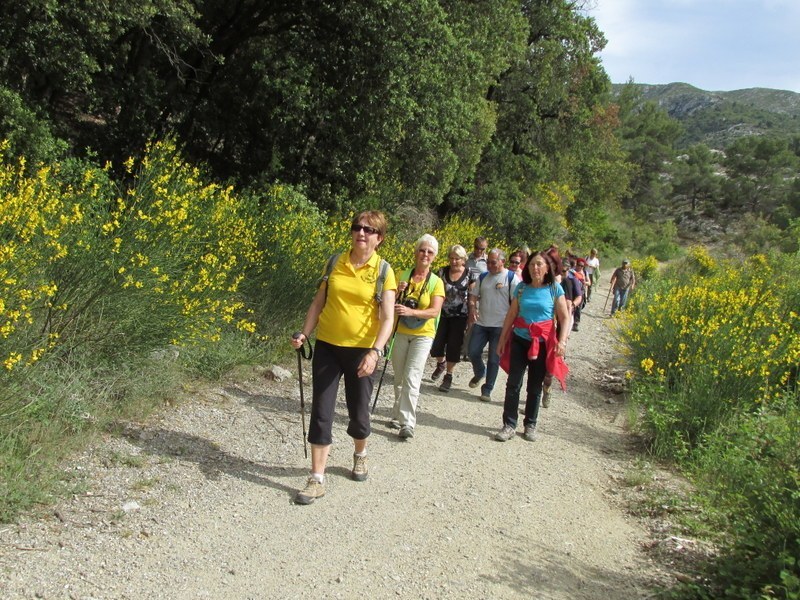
(458, 250)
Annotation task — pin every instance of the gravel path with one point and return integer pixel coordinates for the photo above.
(197, 503)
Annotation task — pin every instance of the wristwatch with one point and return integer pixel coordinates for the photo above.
(378, 351)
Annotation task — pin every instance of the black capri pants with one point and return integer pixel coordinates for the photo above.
(330, 363)
(449, 338)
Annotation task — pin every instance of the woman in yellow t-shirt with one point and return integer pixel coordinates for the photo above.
(352, 330)
(420, 301)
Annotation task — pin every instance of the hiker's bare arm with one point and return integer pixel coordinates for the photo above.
(386, 315)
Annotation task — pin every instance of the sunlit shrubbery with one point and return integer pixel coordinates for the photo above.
(92, 279)
(725, 341)
(159, 263)
(718, 348)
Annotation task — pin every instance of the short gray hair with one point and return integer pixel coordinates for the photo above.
(500, 254)
(427, 238)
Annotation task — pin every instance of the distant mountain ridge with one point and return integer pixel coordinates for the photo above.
(717, 118)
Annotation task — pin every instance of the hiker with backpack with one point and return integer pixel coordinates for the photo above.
(529, 342)
(489, 300)
(353, 314)
(446, 349)
(419, 302)
(623, 281)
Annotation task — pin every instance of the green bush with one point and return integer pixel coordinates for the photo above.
(750, 468)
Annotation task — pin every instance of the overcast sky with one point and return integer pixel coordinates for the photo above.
(715, 45)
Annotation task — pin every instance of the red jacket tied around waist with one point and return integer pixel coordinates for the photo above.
(542, 329)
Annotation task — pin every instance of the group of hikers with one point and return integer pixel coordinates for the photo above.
(524, 311)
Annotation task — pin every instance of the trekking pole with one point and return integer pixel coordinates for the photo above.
(389, 347)
(301, 354)
(606, 304)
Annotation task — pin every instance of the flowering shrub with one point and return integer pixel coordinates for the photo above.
(718, 350)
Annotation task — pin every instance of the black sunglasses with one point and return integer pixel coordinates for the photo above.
(366, 228)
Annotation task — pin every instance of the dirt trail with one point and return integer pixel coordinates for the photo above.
(197, 503)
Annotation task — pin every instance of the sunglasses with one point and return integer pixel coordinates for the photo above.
(365, 228)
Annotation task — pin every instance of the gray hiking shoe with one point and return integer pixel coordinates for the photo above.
(485, 398)
(313, 490)
(530, 433)
(360, 471)
(406, 432)
(393, 424)
(447, 382)
(475, 381)
(505, 434)
(546, 396)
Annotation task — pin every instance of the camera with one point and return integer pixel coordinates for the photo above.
(410, 303)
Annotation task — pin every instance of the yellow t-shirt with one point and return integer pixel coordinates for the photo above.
(350, 315)
(423, 297)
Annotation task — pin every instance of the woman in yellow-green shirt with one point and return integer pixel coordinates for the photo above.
(352, 327)
(421, 294)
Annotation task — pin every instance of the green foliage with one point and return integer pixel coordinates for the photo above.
(718, 348)
(750, 469)
(694, 177)
(92, 282)
(760, 172)
(27, 133)
(648, 135)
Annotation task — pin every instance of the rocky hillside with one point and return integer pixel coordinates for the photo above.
(717, 118)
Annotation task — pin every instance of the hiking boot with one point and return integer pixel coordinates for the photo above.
(393, 424)
(313, 490)
(485, 398)
(475, 381)
(447, 382)
(546, 396)
(438, 370)
(505, 434)
(406, 432)
(360, 471)
(574, 327)
(530, 433)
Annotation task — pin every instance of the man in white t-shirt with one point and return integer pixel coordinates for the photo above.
(592, 269)
(489, 300)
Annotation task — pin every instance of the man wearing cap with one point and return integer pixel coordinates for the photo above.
(623, 281)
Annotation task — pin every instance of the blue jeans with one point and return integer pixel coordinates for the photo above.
(480, 337)
(620, 299)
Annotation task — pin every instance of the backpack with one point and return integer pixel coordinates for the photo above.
(415, 322)
(383, 269)
(510, 280)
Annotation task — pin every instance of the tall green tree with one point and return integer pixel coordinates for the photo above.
(760, 173)
(547, 103)
(648, 135)
(694, 176)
